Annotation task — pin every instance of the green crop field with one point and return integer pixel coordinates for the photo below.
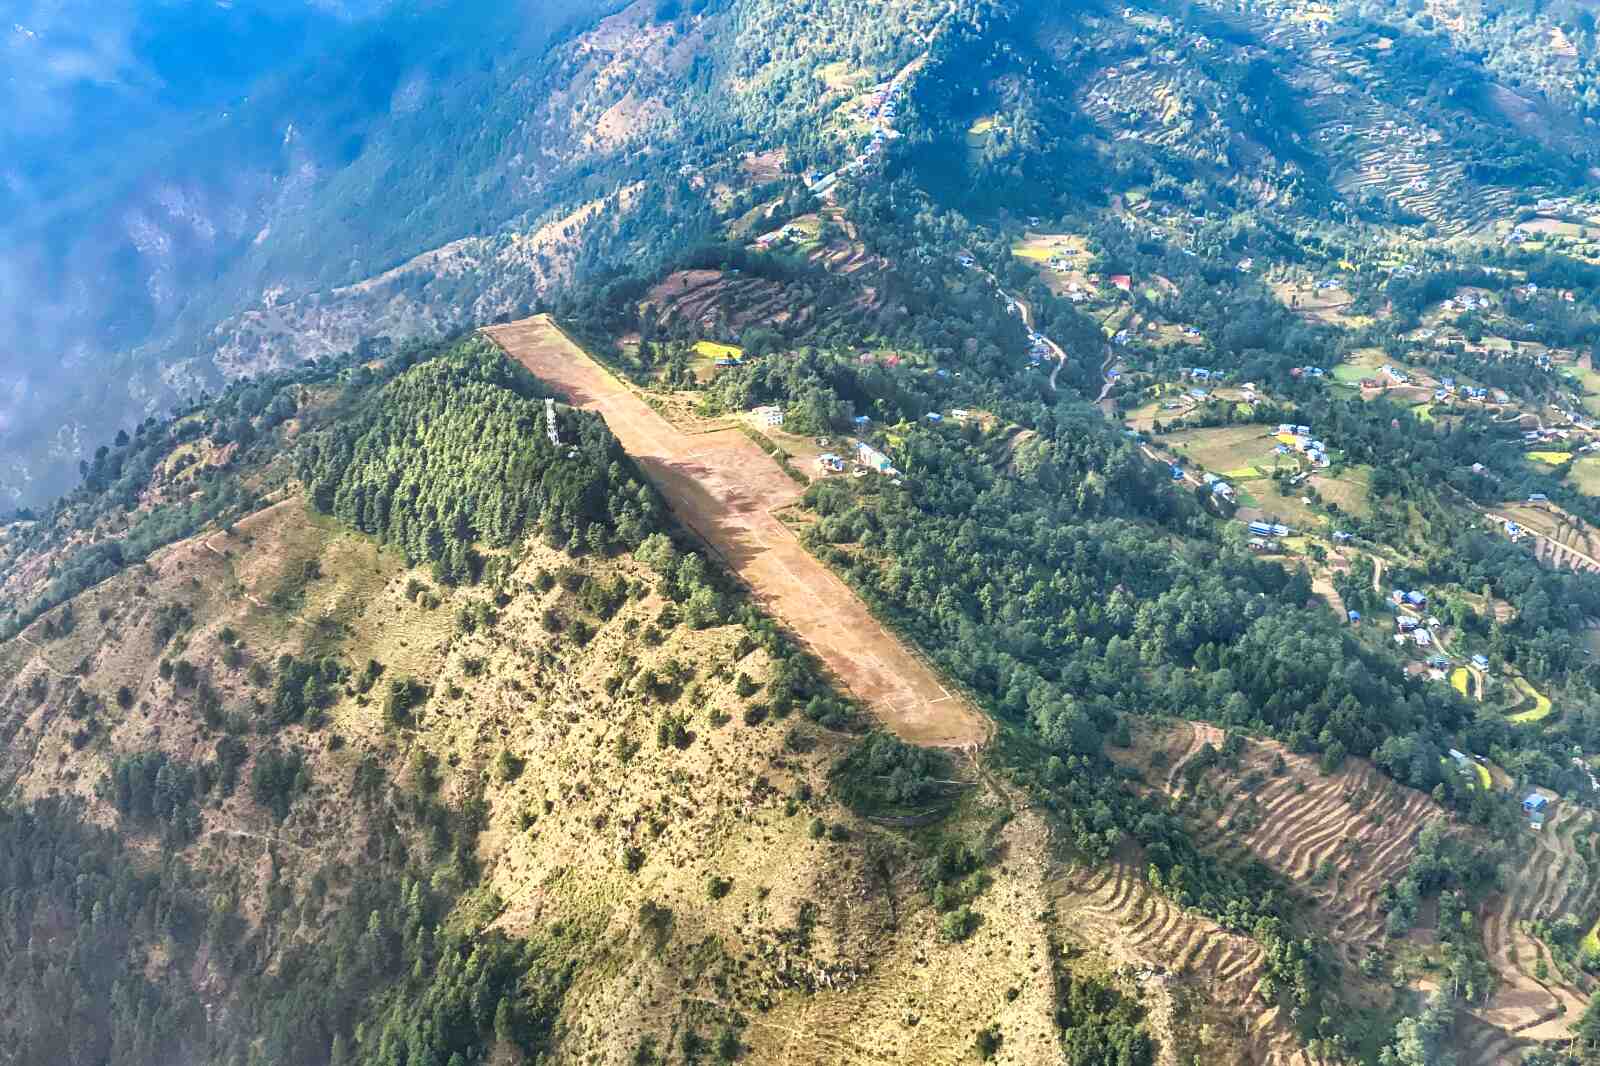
(1584, 474)
(1225, 447)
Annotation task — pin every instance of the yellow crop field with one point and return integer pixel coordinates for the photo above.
(1551, 458)
(1541, 703)
(718, 350)
(1462, 680)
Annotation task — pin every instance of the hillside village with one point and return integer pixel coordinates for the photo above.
(1068, 535)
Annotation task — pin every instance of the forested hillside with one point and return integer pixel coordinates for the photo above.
(488, 783)
(1200, 402)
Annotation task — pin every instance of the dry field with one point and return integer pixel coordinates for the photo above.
(1340, 837)
(1554, 880)
(725, 489)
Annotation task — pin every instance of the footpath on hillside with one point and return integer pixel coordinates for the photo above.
(725, 489)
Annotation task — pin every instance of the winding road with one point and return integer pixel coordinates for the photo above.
(1026, 313)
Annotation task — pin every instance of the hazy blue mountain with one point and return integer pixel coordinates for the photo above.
(162, 163)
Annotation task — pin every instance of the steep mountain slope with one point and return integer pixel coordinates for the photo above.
(507, 149)
(275, 790)
(515, 149)
(388, 709)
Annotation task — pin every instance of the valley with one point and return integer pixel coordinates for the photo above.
(721, 531)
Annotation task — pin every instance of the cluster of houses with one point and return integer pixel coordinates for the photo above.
(1532, 290)
(1420, 632)
(1579, 421)
(1268, 529)
(787, 233)
(1299, 439)
(1308, 372)
(882, 107)
(1038, 346)
(1447, 388)
(1467, 301)
(1061, 262)
(866, 458)
(1219, 488)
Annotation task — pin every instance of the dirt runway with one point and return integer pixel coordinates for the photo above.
(725, 489)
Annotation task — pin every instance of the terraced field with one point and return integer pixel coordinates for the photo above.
(1340, 837)
(1363, 124)
(1113, 909)
(1553, 880)
(1557, 539)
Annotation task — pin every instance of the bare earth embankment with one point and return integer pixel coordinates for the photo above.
(725, 489)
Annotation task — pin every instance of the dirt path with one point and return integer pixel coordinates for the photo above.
(1322, 585)
(1552, 552)
(726, 491)
(1026, 314)
(42, 661)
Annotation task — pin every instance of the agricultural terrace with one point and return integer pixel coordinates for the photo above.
(1589, 380)
(1043, 247)
(1227, 451)
(1552, 523)
(1584, 475)
(1541, 703)
(1267, 499)
(1329, 305)
(1366, 363)
(1351, 491)
(981, 132)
